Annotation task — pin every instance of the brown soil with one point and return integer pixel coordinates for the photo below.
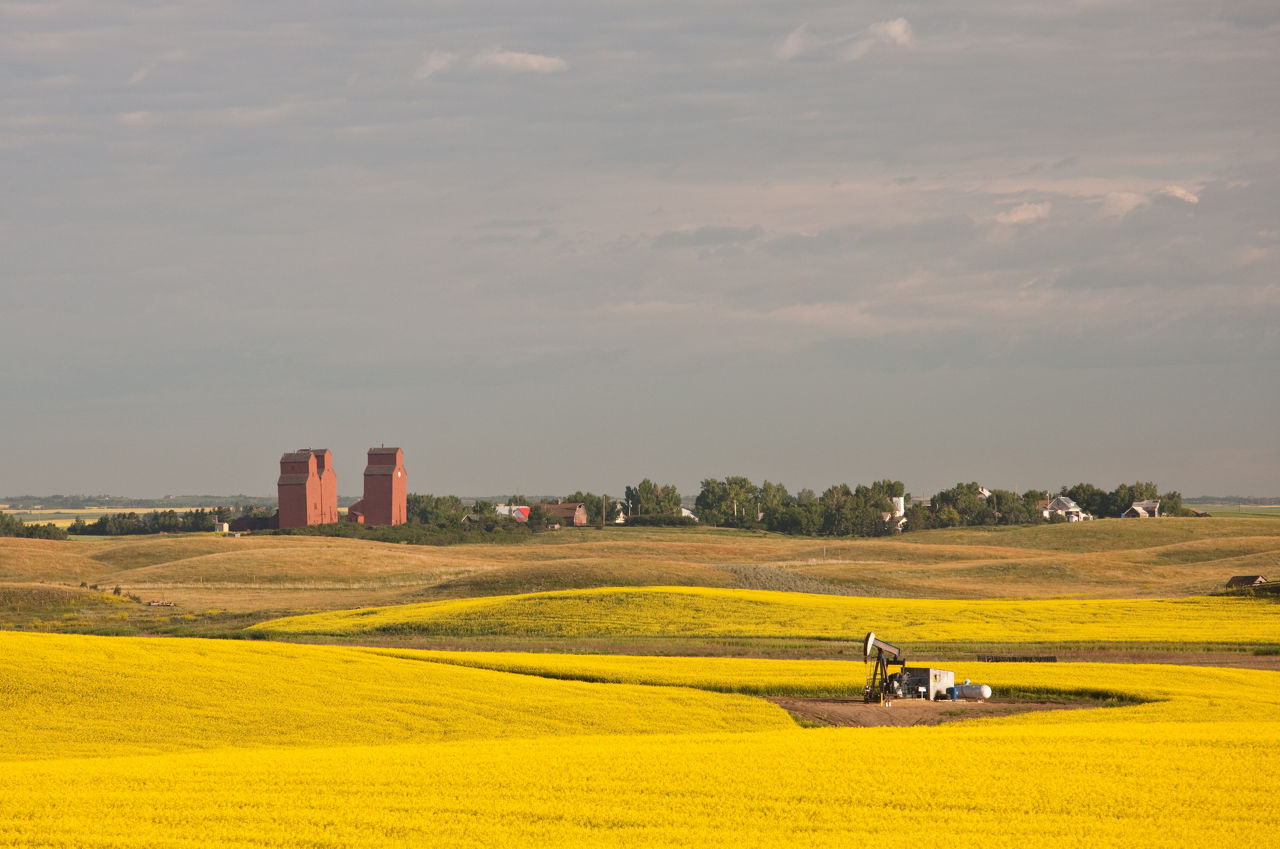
(854, 713)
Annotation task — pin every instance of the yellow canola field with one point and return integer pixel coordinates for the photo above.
(991, 786)
(77, 696)
(1199, 765)
(697, 611)
(1170, 693)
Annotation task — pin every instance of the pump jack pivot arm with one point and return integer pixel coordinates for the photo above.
(873, 642)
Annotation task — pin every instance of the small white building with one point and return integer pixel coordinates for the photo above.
(1065, 507)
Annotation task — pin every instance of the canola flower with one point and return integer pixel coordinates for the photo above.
(698, 611)
(991, 786)
(413, 755)
(78, 696)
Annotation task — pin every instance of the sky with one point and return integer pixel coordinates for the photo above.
(569, 245)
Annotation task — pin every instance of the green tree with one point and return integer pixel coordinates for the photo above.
(648, 499)
(1094, 501)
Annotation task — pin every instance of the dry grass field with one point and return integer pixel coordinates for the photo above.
(219, 585)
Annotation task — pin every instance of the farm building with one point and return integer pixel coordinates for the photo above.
(574, 513)
(307, 488)
(1245, 581)
(1143, 510)
(385, 499)
(1066, 508)
(519, 512)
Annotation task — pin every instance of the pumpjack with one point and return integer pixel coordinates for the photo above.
(878, 686)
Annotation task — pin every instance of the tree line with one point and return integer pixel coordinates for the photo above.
(730, 502)
(155, 522)
(11, 526)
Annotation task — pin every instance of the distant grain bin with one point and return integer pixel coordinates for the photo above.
(385, 501)
(307, 488)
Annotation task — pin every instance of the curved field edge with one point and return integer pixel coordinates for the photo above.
(708, 612)
(73, 696)
(1003, 786)
(1159, 690)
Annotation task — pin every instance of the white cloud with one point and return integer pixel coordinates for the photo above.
(147, 69)
(1251, 255)
(798, 41)
(510, 60)
(896, 32)
(433, 62)
(1025, 212)
(1120, 204)
(1179, 193)
(134, 119)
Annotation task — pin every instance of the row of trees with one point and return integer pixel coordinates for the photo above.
(155, 522)
(968, 504)
(11, 526)
(447, 511)
(1103, 504)
(840, 510)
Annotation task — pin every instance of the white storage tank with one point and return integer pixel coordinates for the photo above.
(973, 691)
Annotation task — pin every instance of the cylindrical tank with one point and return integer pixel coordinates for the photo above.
(973, 691)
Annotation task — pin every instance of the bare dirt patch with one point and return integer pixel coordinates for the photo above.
(855, 713)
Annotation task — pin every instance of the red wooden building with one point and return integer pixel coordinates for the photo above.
(384, 501)
(307, 488)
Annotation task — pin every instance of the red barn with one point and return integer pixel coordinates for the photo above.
(385, 501)
(307, 488)
(574, 513)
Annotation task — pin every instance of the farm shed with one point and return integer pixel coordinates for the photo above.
(1143, 510)
(574, 513)
(1245, 581)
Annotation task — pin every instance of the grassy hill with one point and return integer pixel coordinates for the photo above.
(220, 584)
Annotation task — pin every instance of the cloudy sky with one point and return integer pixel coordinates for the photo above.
(569, 245)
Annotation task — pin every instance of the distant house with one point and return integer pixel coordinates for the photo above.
(1199, 514)
(519, 512)
(1143, 510)
(1245, 581)
(686, 513)
(568, 513)
(1064, 507)
(222, 527)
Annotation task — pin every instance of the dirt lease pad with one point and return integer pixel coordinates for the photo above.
(907, 712)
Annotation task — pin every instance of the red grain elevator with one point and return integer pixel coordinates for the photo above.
(385, 490)
(307, 488)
